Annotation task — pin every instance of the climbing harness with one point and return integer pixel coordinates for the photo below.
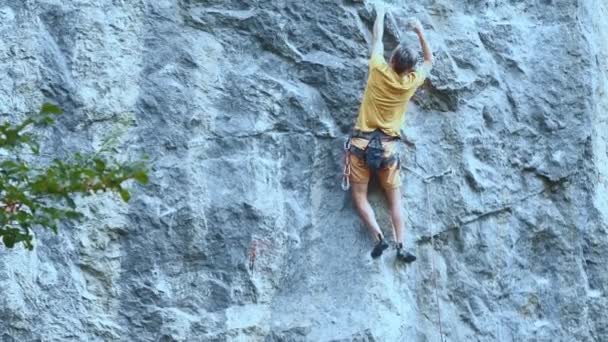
(372, 154)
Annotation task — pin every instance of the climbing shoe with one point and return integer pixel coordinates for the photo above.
(380, 246)
(404, 256)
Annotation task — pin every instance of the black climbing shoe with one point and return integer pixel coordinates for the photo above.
(404, 256)
(379, 248)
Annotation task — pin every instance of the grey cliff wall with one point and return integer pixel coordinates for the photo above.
(244, 233)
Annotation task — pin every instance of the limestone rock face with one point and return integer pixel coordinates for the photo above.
(244, 233)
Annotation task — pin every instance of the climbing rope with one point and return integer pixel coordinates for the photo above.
(434, 275)
(427, 181)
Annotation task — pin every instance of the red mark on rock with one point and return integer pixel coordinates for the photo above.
(255, 249)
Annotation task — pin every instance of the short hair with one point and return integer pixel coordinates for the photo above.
(403, 58)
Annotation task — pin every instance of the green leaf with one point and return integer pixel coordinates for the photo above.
(35, 147)
(9, 164)
(53, 186)
(9, 239)
(46, 121)
(22, 217)
(11, 137)
(73, 215)
(40, 185)
(141, 176)
(49, 108)
(88, 172)
(124, 194)
(28, 243)
(100, 165)
(52, 213)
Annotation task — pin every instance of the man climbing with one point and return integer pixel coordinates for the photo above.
(372, 147)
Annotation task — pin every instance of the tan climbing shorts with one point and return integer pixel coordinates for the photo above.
(360, 173)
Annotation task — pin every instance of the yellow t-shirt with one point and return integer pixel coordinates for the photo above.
(386, 96)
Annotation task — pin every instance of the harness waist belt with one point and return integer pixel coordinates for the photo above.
(368, 135)
(386, 162)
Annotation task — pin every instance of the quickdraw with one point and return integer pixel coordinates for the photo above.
(346, 170)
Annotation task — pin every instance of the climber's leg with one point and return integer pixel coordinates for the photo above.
(367, 215)
(365, 210)
(393, 196)
(390, 179)
(359, 178)
(391, 185)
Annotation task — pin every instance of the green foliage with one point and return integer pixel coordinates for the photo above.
(34, 196)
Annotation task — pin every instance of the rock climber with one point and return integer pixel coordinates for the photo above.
(373, 144)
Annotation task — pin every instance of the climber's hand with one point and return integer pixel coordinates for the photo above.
(378, 31)
(415, 25)
(380, 8)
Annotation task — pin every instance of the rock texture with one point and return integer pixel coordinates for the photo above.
(244, 233)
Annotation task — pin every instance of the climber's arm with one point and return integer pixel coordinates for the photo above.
(378, 32)
(423, 71)
(426, 50)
